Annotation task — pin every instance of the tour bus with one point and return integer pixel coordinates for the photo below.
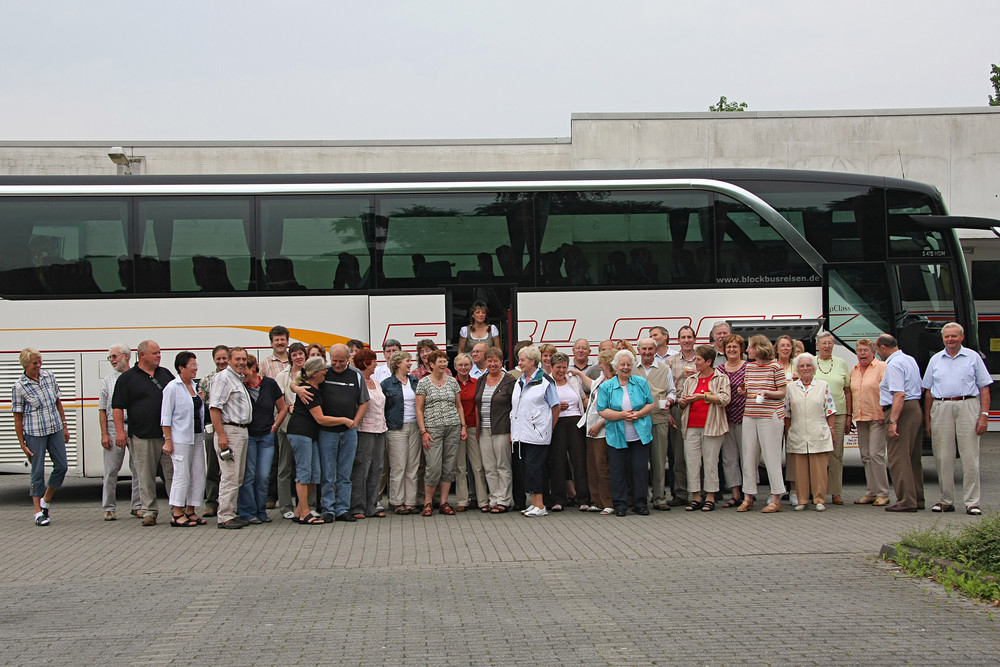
(196, 261)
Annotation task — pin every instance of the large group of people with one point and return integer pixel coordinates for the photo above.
(330, 435)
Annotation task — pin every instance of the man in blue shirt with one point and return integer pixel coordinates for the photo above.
(899, 394)
(957, 404)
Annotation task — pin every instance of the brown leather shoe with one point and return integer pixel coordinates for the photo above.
(837, 500)
(149, 520)
(900, 508)
(865, 500)
(461, 508)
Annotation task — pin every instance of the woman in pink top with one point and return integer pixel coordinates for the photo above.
(763, 423)
(865, 379)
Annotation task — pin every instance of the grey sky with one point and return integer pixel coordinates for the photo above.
(121, 71)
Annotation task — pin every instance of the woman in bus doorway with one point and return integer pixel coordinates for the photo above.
(479, 330)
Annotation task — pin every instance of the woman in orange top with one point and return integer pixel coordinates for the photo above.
(865, 379)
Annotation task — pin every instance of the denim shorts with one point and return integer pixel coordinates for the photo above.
(306, 453)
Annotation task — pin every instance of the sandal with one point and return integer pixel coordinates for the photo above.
(498, 509)
(445, 509)
(772, 507)
(732, 502)
(195, 519)
(311, 520)
(180, 524)
(428, 509)
(402, 509)
(486, 509)
(359, 516)
(745, 506)
(379, 514)
(708, 506)
(693, 505)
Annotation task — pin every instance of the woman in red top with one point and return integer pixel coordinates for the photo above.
(703, 423)
(470, 446)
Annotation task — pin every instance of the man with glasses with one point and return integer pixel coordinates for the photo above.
(114, 455)
(139, 391)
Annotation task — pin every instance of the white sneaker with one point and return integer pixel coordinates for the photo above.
(799, 508)
(608, 510)
(793, 498)
(820, 507)
(536, 511)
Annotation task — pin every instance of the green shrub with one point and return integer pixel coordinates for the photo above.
(976, 544)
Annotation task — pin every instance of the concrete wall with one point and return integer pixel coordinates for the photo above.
(957, 150)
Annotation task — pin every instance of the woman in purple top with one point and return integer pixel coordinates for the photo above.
(732, 442)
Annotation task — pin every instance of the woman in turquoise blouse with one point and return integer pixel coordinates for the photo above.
(625, 403)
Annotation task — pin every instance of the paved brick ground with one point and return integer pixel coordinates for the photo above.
(572, 588)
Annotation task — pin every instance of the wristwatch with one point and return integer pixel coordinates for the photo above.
(985, 414)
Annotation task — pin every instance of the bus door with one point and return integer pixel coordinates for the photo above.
(407, 318)
(501, 305)
(910, 300)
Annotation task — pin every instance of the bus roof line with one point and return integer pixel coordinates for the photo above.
(755, 203)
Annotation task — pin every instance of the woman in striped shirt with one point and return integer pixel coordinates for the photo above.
(763, 423)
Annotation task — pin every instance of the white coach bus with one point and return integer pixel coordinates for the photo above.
(192, 262)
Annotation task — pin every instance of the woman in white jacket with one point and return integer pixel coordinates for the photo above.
(809, 420)
(181, 417)
(534, 410)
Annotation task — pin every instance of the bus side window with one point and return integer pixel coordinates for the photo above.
(63, 247)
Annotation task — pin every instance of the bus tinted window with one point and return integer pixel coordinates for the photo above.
(750, 252)
(194, 245)
(65, 246)
(316, 243)
(624, 238)
(845, 223)
(906, 239)
(443, 239)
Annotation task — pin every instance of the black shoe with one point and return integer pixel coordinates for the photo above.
(232, 524)
(346, 516)
(327, 517)
(620, 512)
(241, 521)
(676, 501)
(642, 511)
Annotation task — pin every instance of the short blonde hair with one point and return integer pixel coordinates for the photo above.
(27, 354)
(396, 358)
(531, 352)
(762, 347)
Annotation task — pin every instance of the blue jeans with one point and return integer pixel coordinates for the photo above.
(336, 461)
(253, 493)
(55, 443)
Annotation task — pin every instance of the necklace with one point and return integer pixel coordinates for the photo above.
(824, 371)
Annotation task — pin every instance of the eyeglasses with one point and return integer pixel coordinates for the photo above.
(112, 357)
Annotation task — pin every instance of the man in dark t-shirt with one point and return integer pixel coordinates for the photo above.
(344, 396)
(139, 390)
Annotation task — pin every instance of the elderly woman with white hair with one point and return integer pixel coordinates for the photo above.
(40, 425)
(835, 372)
(809, 421)
(625, 402)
